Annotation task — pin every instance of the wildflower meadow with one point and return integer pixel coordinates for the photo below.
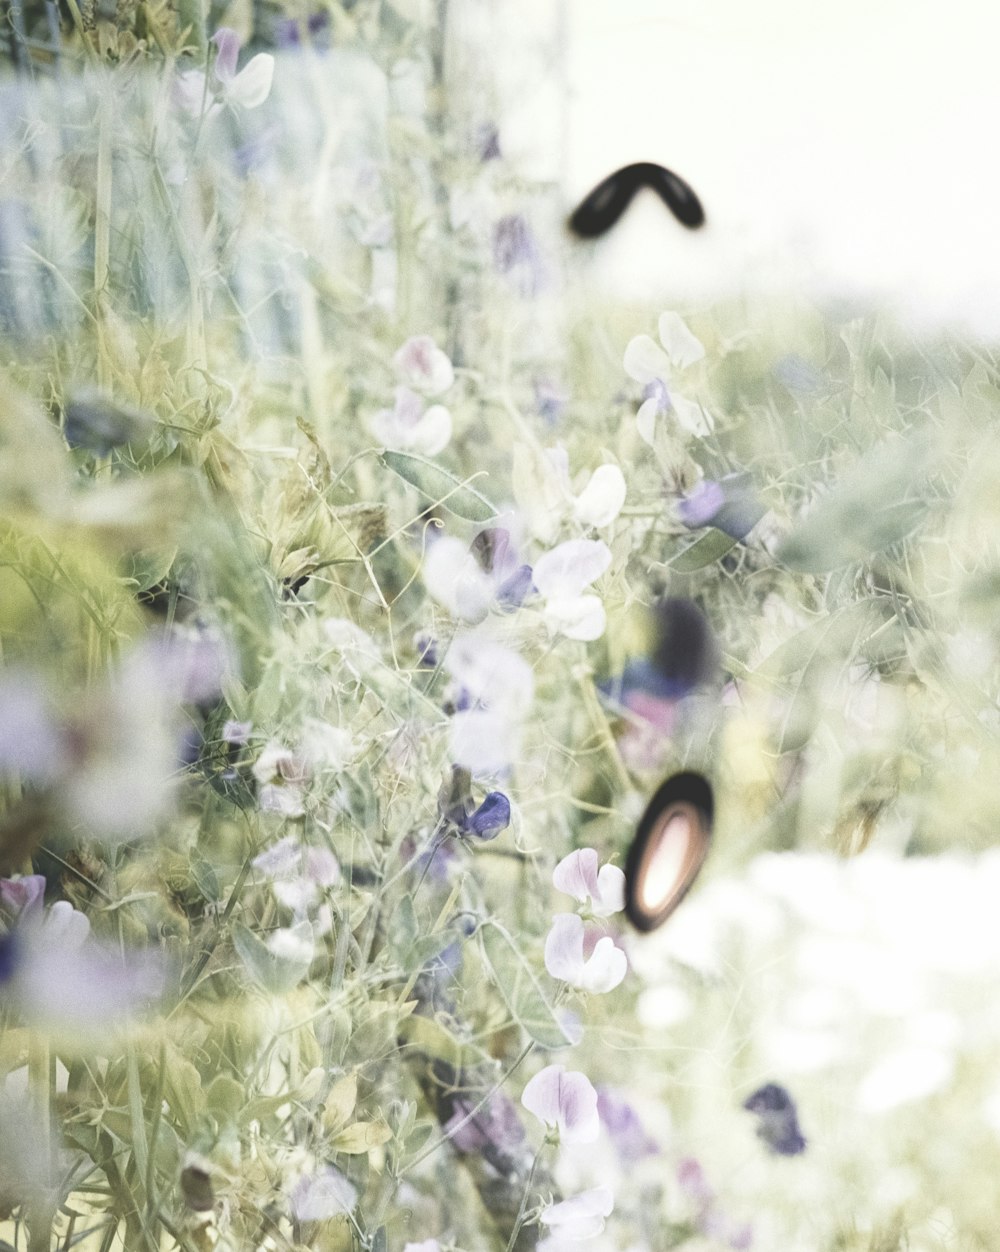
(362, 577)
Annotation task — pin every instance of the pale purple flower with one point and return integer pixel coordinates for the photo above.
(561, 577)
(578, 876)
(490, 818)
(580, 1217)
(22, 897)
(33, 742)
(247, 89)
(652, 366)
(631, 1139)
(298, 873)
(516, 253)
(237, 734)
(422, 366)
(468, 582)
(499, 686)
(583, 957)
(409, 427)
(325, 1193)
(730, 505)
(550, 399)
(566, 1101)
(63, 982)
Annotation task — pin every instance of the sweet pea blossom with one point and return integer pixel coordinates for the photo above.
(652, 366)
(545, 491)
(468, 582)
(730, 505)
(565, 1100)
(498, 687)
(561, 576)
(580, 1217)
(577, 875)
(422, 366)
(247, 89)
(581, 956)
(409, 427)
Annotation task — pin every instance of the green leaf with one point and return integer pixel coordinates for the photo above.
(871, 508)
(438, 486)
(434, 1039)
(517, 984)
(270, 972)
(706, 550)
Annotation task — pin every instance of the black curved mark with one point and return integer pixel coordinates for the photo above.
(600, 210)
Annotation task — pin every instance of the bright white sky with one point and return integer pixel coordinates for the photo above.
(850, 147)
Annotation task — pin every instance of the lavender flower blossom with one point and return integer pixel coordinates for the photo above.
(516, 253)
(470, 582)
(580, 1217)
(632, 1141)
(495, 1125)
(564, 1101)
(577, 875)
(582, 956)
(561, 577)
(777, 1124)
(457, 807)
(247, 89)
(730, 505)
(423, 366)
(499, 687)
(409, 427)
(652, 366)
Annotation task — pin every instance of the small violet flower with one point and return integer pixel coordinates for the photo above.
(564, 1100)
(577, 875)
(632, 1141)
(469, 582)
(582, 956)
(730, 505)
(561, 577)
(457, 807)
(247, 89)
(409, 427)
(778, 1123)
(580, 1217)
(652, 366)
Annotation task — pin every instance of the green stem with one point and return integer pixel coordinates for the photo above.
(519, 1220)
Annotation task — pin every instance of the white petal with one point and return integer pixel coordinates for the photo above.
(454, 578)
(600, 502)
(692, 417)
(681, 346)
(293, 943)
(484, 742)
(564, 948)
(323, 1195)
(581, 1216)
(432, 433)
(645, 419)
(606, 968)
(576, 617)
(423, 366)
(252, 85)
(645, 360)
(491, 673)
(64, 927)
(571, 566)
(610, 897)
(564, 1098)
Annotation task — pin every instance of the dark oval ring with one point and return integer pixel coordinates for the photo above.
(669, 848)
(599, 210)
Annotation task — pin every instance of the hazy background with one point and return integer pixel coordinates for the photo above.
(849, 147)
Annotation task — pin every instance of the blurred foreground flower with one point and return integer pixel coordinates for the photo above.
(323, 1194)
(577, 875)
(778, 1123)
(468, 582)
(566, 1101)
(652, 366)
(582, 956)
(580, 1217)
(59, 979)
(422, 366)
(498, 688)
(409, 427)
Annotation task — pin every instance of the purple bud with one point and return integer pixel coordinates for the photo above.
(702, 504)
(778, 1124)
(623, 1125)
(492, 816)
(730, 505)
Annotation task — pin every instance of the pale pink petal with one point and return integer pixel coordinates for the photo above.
(252, 85)
(564, 948)
(565, 1099)
(645, 419)
(681, 346)
(432, 433)
(645, 360)
(576, 617)
(456, 580)
(571, 566)
(600, 502)
(227, 42)
(422, 365)
(576, 875)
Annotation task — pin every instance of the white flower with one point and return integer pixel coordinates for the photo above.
(565, 1099)
(652, 366)
(577, 875)
(601, 500)
(580, 1217)
(499, 685)
(561, 576)
(565, 959)
(545, 495)
(326, 1193)
(409, 427)
(457, 581)
(247, 89)
(422, 365)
